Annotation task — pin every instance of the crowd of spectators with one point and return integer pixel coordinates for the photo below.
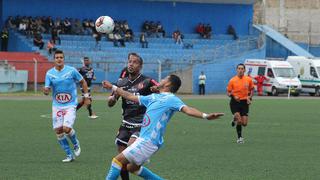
(34, 27)
(204, 30)
(153, 29)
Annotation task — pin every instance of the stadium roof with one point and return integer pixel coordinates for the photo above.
(213, 1)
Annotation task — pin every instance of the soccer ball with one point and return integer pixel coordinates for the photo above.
(104, 24)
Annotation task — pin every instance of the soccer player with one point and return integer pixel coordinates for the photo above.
(62, 80)
(133, 81)
(160, 108)
(88, 74)
(240, 89)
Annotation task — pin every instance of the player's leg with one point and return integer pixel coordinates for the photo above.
(234, 107)
(239, 124)
(69, 119)
(80, 104)
(117, 164)
(57, 123)
(244, 119)
(122, 143)
(137, 154)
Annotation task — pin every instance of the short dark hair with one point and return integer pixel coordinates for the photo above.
(136, 55)
(241, 64)
(175, 83)
(58, 52)
(86, 58)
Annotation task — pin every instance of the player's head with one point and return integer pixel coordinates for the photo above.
(58, 58)
(241, 68)
(135, 63)
(171, 83)
(86, 61)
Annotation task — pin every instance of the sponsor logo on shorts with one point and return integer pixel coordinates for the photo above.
(63, 98)
(146, 121)
(61, 113)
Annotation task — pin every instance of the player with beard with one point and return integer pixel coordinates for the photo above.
(133, 113)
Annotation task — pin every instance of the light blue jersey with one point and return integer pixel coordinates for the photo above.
(160, 108)
(63, 84)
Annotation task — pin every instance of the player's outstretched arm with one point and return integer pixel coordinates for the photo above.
(198, 114)
(120, 92)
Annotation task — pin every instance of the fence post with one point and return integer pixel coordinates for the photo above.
(159, 71)
(35, 75)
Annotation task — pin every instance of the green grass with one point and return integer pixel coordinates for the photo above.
(282, 142)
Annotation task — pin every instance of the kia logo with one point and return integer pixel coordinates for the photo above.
(63, 98)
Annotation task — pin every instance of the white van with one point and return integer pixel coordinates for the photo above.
(308, 71)
(280, 74)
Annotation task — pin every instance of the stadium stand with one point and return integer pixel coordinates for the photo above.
(26, 61)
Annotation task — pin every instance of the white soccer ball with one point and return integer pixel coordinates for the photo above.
(104, 24)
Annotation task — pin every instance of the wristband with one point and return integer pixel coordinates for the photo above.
(86, 95)
(204, 116)
(114, 88)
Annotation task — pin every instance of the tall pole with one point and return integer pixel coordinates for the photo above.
(35, 80)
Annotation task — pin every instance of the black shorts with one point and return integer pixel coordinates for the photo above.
(241, 107)
(125, 133)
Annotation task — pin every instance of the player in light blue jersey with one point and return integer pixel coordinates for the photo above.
(160, 108)
(62, 79)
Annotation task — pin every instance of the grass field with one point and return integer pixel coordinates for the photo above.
(282, 142)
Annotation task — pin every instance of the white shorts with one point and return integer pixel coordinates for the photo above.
(140, 151)
(63, 116)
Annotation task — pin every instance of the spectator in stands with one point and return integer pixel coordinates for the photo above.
(111, 38)
(86, 27)
(51, 47)
(39, 25)
(200, 29)
(4, 39)
(55, 35)
(10, 23)
(128, 37)
(66, 26)
(23, 27)
(177, 36)
(232, 31)
(160, 29)
(119, 38)
(207, 31)
(77, 27)
(202, 83)
(58, 25)
(37, 40)
(146, 28)
(97, 36)
(48, 24)
(143, 40)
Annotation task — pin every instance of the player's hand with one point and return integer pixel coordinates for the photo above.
(87, 101)
(236, 98)
(46, 90)
(111, 101)
(154, 89)
(249, 100)
(213, 116)
(106, 84)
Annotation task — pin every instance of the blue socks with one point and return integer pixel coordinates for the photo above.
(114, 171)
(65, 145)
(146, 174)
(73, 137)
